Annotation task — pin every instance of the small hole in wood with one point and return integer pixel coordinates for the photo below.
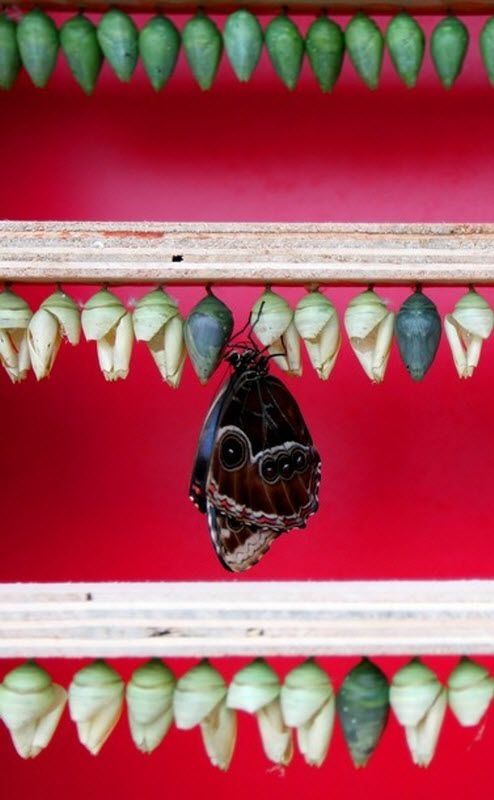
(177, 258)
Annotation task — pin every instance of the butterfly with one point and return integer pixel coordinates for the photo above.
(256, 472)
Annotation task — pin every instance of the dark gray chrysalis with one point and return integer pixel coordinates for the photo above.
(418, 332)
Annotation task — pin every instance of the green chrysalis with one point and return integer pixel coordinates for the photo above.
(363, 706)
(118, 38)
(207, 329)
(81, 48)
(406, 44)
(486, 41)
(325, 45)
(285, 47)
(243, 41)
(203, 47)
(449, 43)
(37, 37)
(159, 45)
(365, 44)
(10, 60)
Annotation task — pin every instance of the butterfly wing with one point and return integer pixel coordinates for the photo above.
(197, 489)
(238, 545)
(257, 472)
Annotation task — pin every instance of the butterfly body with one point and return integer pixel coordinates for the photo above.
(257, 471)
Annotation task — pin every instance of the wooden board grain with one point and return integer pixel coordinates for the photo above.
(247, 253)
(247, 619)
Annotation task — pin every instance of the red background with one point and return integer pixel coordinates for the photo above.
(95, 476)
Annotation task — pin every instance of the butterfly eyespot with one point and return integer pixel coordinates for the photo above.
(299, 460)
(269, 470)
(285, 466)
(234, 524)
(233, 451)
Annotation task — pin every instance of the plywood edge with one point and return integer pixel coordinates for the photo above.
(247, 253)
(238, 619)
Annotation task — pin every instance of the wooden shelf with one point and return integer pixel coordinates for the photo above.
(247, 619)
(235, 618)
(246, 253)
(269, 6)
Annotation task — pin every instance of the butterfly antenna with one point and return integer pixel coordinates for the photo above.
(253, 343)
(250, 337)
(242, 330)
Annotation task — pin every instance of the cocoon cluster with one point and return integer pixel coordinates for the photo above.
(34, 42)
(300, 709)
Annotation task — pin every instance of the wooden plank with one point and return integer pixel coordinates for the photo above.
(246, 253)
(269, 6)
(246, 619)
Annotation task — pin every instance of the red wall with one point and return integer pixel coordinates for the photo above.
(95, 476)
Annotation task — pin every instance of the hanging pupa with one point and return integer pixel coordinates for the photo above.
(285, 46)
(96, 697)
(369, 325)
(10, 59)
(419, 701)
(365, 45)
(418, 332)
(199, 699)
(272, 321)
(468, 325)
(157, 321)
(58, 317)
(256, 689)
(325, 46)
(207, 330)
(37, 37)
(31, 706)
(106, 320)
(118, 39)
(486, 42)
(149, 696)
(15, 315)
(243, 40)
(318, 326)
(308, 705)
(363, 706)
(159, 45)
(203, 46)
(406, 44)
(470, 692)
(449, 44)
(80, 46)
